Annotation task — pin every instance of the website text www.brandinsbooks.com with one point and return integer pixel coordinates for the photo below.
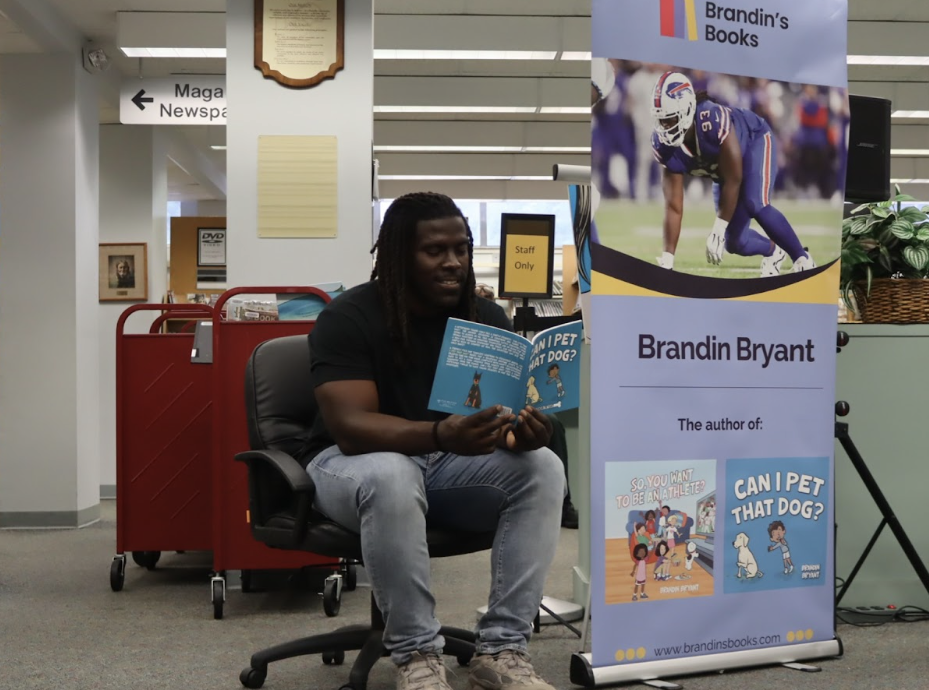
(726, 645)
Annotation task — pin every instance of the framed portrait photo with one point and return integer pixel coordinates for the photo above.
(123, 272)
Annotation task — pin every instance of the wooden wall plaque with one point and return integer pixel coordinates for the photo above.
(299, 43)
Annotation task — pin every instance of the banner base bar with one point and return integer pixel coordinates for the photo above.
(806, 668)
(588, 676)
(662, 684)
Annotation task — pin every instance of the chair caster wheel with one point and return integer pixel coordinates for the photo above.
(334, 658)
(253, 677)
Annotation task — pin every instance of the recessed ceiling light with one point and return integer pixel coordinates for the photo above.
(889, 60)
(910, 113)
(917, 180)
(217, 147)
(575, 55)
(174, 52)
(909, 152)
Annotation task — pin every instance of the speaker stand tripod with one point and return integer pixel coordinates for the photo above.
(888, 518)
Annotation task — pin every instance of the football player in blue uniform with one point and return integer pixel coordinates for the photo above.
(736, 149)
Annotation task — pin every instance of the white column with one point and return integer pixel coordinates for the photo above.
(133, 208)
(49, 420)
(342, 107)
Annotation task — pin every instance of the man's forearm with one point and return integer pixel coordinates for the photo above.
(373, 432)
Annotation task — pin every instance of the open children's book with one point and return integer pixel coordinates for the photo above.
(481, 366)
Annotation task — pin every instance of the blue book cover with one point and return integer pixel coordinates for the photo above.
(481, 366)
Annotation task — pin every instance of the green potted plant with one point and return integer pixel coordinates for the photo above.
(885, 261)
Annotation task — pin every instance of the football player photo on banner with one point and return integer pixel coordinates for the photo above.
(718, 156)
(732, 177)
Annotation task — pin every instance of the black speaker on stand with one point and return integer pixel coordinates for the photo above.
(867, 175)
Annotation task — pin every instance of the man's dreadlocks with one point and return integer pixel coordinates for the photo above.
(394, 249)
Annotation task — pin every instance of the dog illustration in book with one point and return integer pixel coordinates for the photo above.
(745, 562)
(474, 395)
(532, 393)
(689, 559)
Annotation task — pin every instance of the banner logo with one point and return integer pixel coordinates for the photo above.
(679, 19)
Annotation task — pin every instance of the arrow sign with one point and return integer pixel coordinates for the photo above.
(194, 100)
(138, 100)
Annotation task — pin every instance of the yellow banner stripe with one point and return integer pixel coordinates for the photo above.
(822, 288)
(691, 20)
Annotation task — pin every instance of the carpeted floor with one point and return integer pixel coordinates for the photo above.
(62, 628)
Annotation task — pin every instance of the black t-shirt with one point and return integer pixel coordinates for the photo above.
(350, 341)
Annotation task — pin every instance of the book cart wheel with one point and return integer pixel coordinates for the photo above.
(146, 559)
(218, 586)
(118, 572)
(332, 596)
(350, 577)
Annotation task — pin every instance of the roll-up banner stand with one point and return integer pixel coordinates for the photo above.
(718, 149)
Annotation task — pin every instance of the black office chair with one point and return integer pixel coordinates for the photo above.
(281, 409)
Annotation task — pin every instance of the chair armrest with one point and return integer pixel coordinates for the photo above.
(288, 468)
(282, 466)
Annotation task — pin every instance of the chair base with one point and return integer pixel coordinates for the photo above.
(333, 645)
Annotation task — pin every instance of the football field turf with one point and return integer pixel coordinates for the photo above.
(635, 229)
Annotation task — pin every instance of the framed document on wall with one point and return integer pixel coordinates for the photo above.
(299, 44)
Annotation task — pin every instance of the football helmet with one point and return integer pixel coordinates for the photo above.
(674, 104)
(602, 77)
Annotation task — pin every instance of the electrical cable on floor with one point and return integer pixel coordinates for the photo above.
(904, 614)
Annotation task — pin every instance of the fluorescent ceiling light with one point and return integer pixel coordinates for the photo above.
(566, 110)
(482, 149)
(889, 60)
(918, 180)
(557, 149)
(174, 52)
(910, 113)
(390, 54)
(575, 55)
(909, 152)
(448, 149)
(449, 109)
(218, 147)
(465, 177)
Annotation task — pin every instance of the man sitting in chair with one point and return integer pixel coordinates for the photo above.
(381, 460)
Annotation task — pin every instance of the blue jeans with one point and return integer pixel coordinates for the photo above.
(385, 497)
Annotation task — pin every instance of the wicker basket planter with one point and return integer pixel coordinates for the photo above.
(893, 301)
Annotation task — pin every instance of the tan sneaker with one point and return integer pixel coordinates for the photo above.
(422, 672)
(508, 669)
